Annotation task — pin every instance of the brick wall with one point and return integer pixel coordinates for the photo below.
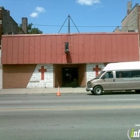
(90, 73)
(36, 80)
(130, 22)
(0, 24)
(117, 30)
(7, 23)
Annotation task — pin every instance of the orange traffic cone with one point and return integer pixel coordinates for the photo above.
(58, 92)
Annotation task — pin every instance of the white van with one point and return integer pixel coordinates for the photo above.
(116, 77)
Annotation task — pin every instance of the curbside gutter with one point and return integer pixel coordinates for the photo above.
(42, 90)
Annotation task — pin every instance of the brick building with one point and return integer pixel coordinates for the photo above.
(9, 26)
(131, 22)
(7, 23)
(42, 61)
(66, 60)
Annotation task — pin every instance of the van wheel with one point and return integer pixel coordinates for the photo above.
(137, 91)
(98, 90)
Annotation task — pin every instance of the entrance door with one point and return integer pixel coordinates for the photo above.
(69, 77)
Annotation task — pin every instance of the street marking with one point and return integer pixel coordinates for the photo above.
(9, 102)
(137, 124)
(122, 99)
(71, 108)
(74, 100)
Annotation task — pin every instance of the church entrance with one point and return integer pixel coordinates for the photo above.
(70, 77)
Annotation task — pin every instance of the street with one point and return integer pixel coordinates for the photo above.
(69, 116)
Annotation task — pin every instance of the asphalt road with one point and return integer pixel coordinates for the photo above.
(69, 117)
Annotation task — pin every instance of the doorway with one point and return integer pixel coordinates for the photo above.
(70, 77)
(61, 80)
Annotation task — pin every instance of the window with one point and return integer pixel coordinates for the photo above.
(119, 74)
(128, 74)
(136, 73)
(100, 74)
(108, 75)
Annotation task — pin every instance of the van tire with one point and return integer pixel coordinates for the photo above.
(98, 90)
(137, 91)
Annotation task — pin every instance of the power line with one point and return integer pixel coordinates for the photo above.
(69, 18)
(84, 26)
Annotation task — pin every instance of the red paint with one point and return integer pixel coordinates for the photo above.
(96, 69)
(84, 48)
(42, 70)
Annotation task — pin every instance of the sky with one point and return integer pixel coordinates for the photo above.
(86, 16)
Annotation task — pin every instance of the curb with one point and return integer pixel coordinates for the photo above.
(43, 91)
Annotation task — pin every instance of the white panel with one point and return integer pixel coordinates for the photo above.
(36, 82)
(90, 74)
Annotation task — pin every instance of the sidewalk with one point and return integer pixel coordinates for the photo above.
(42, 90)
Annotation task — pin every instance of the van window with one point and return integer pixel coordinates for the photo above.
(119, 74)
(136, 73)
(128, 74)
(108, 75)
(101, 73)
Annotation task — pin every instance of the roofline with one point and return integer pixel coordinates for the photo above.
(132, 65)
(98, 33)
(136, 5)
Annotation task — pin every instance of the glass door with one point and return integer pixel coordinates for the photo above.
(69, 77)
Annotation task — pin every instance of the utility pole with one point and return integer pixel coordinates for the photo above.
(68, 24)
(69, 19)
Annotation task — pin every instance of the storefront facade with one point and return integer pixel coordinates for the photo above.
(65, 60)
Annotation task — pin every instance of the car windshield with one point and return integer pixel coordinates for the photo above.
(100, 74)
